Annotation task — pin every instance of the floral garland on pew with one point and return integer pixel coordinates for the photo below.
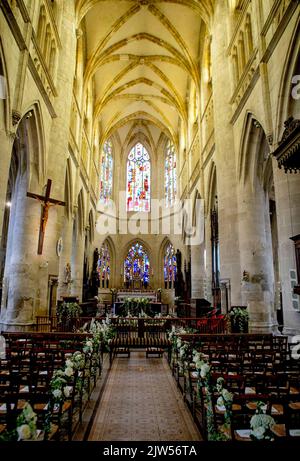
(26, 427)
(261, 425)
(101, 332)
(179, 349)
(59, 386)
(225, 398)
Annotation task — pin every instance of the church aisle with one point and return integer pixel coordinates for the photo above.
(141, 402)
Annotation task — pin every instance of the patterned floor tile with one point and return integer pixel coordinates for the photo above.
(141, 402)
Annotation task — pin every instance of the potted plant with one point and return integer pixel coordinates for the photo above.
(239, 318)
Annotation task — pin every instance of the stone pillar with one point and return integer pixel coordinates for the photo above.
(256, 258)
(287, 193)
(198, 271)
(208, 262)
(21, 290)
(5, 157)
(224, 154)
(77, 267)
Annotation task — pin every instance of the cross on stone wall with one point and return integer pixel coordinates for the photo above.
(46, 202)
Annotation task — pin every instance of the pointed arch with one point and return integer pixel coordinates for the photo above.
(106, 172)
(254, 152)
(105, 263)
(91, 226)
(290, 69)
(168, 263)
(137, 264)
(35, 142)
(80, 213)
(138, 179)
(170, 174)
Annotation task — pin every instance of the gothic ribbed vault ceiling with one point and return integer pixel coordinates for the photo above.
(142, 56)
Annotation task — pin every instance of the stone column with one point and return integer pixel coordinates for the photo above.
(224, 154)
(6, 143)
(198, 271)
(256, 258)
(287, 193)
(21, 290)
(77, 267)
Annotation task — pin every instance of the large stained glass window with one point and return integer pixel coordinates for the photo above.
(106, 173)
(136, 267)
(104, 266)
(138, 179)
(170, 266)
(170, 175)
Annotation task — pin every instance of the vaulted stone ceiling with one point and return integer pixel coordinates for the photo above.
(142, 56)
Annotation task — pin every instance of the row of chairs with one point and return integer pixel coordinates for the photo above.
(25, 376)
(253, 370)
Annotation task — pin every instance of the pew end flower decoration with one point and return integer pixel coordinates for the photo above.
(261, 424)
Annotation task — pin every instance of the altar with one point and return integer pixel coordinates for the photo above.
(148, 294)
(156, 307)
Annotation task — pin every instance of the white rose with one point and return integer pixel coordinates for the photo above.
(196, 358)
(24, 432)
(69, 363)
(57, 393)
(204, 370)
(89, 344)
(227, 396)
(199, 364)
(220, 402)
(67, 391)
(259, 433)
(69, 371)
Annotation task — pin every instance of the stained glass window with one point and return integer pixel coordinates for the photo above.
(136, 267)
(106, 173)
(170, 175)
(104, 266)
(170, 266)
(138, 179)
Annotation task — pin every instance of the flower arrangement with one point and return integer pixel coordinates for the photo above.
(239, 319)
(225, 400)
(261, 424)
(205, 379)
(68, 311)
(26, 426)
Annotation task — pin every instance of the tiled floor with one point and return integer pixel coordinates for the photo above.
(141, 402)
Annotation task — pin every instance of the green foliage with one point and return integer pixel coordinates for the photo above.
(239, 319)
(135, 306)
(68, 311)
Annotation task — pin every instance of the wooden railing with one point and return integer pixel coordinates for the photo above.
(210, 325)
(47, 324)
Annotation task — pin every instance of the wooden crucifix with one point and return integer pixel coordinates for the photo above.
(46, 202)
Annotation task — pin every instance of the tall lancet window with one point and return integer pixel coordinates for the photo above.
(170, 266)
(104, 266)
(136, 267)
(170, 175)
(138, 179)
(106, 173)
